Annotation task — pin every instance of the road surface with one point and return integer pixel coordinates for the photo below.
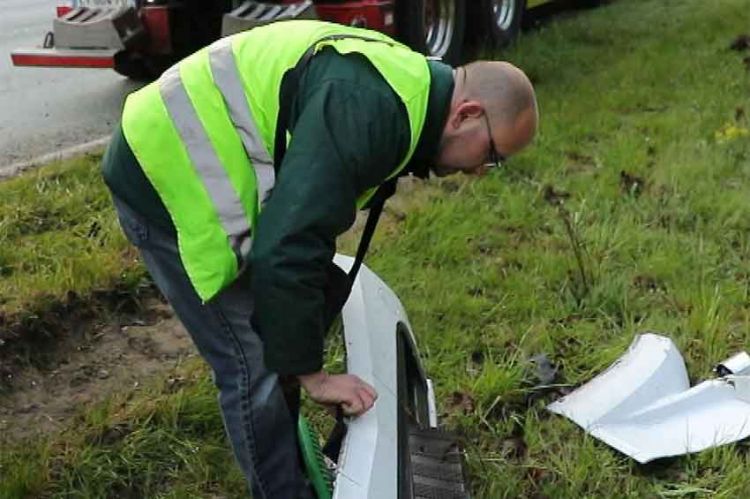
(43, 110)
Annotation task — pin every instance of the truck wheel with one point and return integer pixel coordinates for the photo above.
(434, 27)
(504, 19)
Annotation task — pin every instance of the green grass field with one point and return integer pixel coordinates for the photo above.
(630, 213)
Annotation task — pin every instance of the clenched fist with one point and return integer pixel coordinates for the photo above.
(347, 390)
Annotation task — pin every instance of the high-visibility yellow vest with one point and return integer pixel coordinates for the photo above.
(204, 133)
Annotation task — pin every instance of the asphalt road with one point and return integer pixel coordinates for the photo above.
(44, 110)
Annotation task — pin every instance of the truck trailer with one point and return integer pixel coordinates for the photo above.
(141, 38)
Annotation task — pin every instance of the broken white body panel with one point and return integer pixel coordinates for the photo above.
(373, 318)
(643, 406)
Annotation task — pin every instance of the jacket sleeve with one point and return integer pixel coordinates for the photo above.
(345, 140)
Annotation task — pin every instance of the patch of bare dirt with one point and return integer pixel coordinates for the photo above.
(101, 359)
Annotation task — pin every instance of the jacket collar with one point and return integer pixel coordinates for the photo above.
(438, 105)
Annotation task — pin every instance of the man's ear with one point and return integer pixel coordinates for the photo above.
(465, 110)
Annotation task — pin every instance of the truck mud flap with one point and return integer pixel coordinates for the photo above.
(107, 28)
(253, 14)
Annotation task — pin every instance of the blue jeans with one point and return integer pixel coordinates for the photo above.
(257, 420)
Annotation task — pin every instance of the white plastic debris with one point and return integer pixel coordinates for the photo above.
(643, 406)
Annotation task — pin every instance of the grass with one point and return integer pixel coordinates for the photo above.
(166, 441)
(62, 251)
(59, 234)
(639, 159)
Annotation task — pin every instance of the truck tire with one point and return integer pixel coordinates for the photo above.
(503, 20)
(434, 27)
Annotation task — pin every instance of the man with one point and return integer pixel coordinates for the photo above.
(236, 171)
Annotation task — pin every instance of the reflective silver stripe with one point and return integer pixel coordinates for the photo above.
(227, 78)
(206, 162)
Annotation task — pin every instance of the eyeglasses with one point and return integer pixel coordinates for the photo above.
(496, 159)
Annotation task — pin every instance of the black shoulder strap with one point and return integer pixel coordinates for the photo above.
(385, 191)
(339, 283)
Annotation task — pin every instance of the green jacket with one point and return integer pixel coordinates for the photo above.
(350, 130)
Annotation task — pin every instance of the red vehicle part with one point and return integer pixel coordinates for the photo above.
(62, 10)
(71, 58)
(156, 20)
(371, 14)
(64, 7)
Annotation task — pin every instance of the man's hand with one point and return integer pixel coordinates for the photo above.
(347, 390)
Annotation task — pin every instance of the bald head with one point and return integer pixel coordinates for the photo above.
(493, 105)
(506, 93)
